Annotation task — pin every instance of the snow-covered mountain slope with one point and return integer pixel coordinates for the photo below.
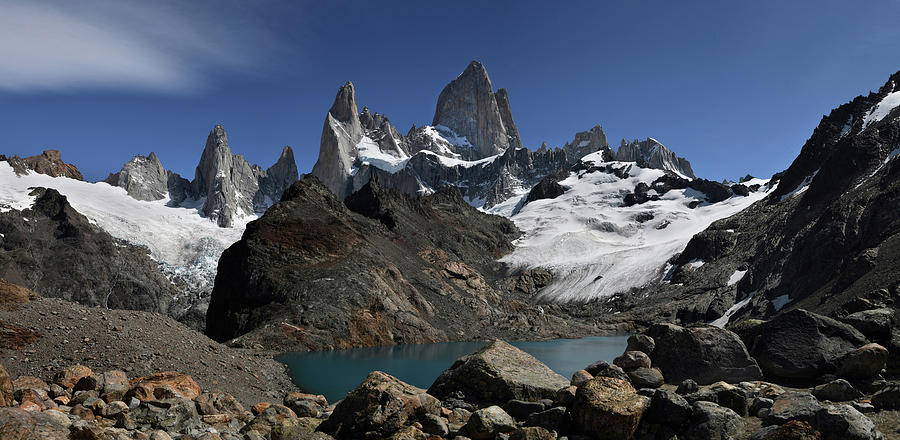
(596, 247)
(181, 239)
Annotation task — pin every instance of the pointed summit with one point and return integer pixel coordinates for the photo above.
(469, 107)
(344, 107)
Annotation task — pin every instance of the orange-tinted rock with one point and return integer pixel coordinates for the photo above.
(14, 294)
(68, 377)
(23, 382)
(6, 388)
(49, 162)
(608, 408)
(18, 424)
(168, 382)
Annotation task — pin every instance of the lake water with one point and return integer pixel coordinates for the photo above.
(334, 373)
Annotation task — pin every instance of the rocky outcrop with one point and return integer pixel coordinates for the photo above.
(649, 153)
(587, 142)
(49, 162)
(380, 268)
(229, 186)
(143, 177)
(468, 106)
(57, 252)
(341, 133)
(497, 373)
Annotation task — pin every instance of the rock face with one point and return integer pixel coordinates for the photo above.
(832, 239)
(383, 268)
(49, 162)
(469, 107)
(382, 404)
(100, 270)
(704, 354)
(587, 142)
(652, 154)
(229, 186)
(801, 345)
(496, 374)
(340, 135)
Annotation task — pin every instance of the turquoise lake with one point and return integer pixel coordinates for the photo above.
(334, 373)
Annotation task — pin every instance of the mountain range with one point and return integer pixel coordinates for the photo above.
(392, 235)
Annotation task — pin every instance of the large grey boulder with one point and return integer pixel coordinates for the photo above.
(800, 345)
(874, 324)
(497, 373)
(843, 422)
(710, 421)
(704, 354)
(468, 106)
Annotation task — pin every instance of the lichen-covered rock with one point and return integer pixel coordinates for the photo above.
(608, 408)
(794, 405)
(486, 423)
(164, 385)
(497, 373)
(631, 360)
(18, 424)
(792, 430)
(381, 404)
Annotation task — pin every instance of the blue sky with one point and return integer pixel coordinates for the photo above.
(736, 87)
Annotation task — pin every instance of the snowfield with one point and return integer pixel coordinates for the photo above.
(596, 247)
(181, 239)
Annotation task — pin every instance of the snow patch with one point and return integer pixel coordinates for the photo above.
(736, 276)
(780, 302)
(696, 263)
(882, 109)
(369, 153)
(723, 320)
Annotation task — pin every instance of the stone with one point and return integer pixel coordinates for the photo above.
(646, 377)
(705, 354)
(553, 419)
(532, 433)
(731, 397)
(838, 390)
(174, 415)
(793, 405)
(864, 362)
(710, 421)
(668, 408)
(68, 377)
(382, 404)
(792, 430)
(23, 382)
(687, 386)
(565, 396)
(580, 377)
(435, 425)
(887, 398)
(488, 422)
(801, 345)
(632, 359)
(168, 382)
(497, 373)
(841, 422)
(596, 367)
(642, 343)
(608, 408)
(520, 409)
(87, 383)
(760, 403)
(874, 324)
(276, 415)
(613, 371)
(17, 424)
(6, 388)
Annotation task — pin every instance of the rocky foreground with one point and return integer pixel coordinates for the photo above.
(671, 382)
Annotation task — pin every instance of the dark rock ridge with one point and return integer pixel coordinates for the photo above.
(471, 123)
(49, 162)
(228, 185)
(57, 252)
(384, 268)
(649, 153)
(825, 238)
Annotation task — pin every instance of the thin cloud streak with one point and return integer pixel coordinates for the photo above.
(152, 46)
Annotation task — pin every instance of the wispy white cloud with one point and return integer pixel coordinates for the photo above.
(154, 45)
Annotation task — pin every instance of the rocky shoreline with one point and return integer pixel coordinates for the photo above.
(671, 382)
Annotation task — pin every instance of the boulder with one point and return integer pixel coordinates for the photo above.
(520, 409)
(887, 398)
(800, 345)
(486, 423)
(642, 343)
(222, 404)
(532, 433)
(864, 362)
(68, 377)
(687, 386)
(713, 422)
(306, 405)
(759, 404)
(843, 422)
(497, 373)
(580, 377)
(173, 415)
(793, 405)
(18, 424)
(632, 359)
(23, 382)
(382, 404)
(646, 377)
(705, 354)
(164, 385)
(435, 425)
(874, 324)
(596, 367)
(613, 371)
(553, 419)
(271, 417)
(608, 408)
(295, 428)
(793, 430)
(838, 390)
(731, 397)
(668, 408)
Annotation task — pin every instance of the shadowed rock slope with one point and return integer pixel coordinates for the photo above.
(384, 268)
